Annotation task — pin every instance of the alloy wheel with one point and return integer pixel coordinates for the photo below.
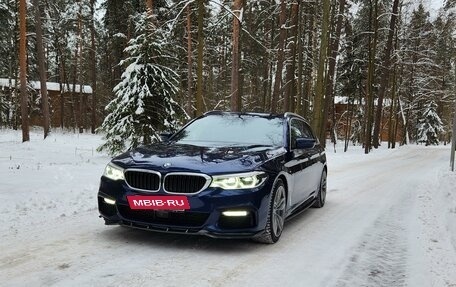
(323, 188)
(278, 211)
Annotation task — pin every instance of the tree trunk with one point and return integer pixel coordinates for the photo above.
(329, 102)
(23, 70)
(370, 80)
(81, 113)
(189, 105)
(268, 100)
(309, 65)
(199, 71)
(396, 125)
(150, 8)
(405, 124)
(385, 73)
(12, 67)
(280, 56)
(453, 136)
(317, 123)
(265, 83)
(235, 69)
(288, 102)
(350, 109)
(392, 139)
(93, 68)
(300, 63)
(42, 69)
(73, 105)
(63, 79)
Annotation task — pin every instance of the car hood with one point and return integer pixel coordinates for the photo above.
(189, 158)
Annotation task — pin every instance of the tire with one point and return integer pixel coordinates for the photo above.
(321, 197)
(276, 215)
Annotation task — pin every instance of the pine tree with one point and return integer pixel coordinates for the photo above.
(319, 101)
(143, 105)
(199, 70)
(235, 94)
(277, 91)
(23, 72)
(429, 125)
(417, 58)
(42, 69)
(8, 57)
(5, 28)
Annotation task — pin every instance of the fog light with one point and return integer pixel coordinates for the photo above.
(109, 201)
(235, 213)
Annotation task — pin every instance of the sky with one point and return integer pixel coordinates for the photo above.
(432, 5)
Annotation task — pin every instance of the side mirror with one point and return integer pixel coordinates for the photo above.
(164, 137)
(303, 143)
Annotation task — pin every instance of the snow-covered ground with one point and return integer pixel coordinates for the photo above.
(390, 220)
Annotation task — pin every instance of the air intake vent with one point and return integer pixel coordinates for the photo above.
(183, 219)
(185, 183)
(144, 180)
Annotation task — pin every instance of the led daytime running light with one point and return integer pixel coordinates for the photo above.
(239, 181)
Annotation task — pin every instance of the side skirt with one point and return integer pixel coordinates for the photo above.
(301, 208)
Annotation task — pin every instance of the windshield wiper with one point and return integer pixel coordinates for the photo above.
(252, 146)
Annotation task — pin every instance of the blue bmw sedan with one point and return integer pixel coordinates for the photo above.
(224, 174)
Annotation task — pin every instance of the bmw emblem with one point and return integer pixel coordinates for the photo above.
(166, 165)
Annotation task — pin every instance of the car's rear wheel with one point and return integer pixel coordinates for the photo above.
(276, 215)
(321, 197)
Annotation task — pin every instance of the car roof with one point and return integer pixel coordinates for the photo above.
(266, 115)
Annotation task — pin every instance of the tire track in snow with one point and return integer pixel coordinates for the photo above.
(380, 258)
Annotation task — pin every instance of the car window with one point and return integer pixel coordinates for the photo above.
(299, 129)
(233, 129)
(307, 132)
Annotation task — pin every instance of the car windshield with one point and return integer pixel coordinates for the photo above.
(233, 130)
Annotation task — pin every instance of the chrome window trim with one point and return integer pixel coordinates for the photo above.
(146, 171)
(206, 185)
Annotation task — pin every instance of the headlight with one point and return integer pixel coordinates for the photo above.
(114, 172)
(239, 181)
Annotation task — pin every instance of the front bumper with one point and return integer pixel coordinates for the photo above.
(205, 216)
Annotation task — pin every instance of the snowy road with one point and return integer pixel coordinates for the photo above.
(390, 220)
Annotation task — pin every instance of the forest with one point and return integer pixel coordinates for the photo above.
(362, 72)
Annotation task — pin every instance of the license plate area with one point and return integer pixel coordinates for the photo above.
(155, 202)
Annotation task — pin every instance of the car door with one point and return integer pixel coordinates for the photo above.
(302, 165)
(315, 165)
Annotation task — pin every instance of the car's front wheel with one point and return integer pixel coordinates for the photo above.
(276, 215)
